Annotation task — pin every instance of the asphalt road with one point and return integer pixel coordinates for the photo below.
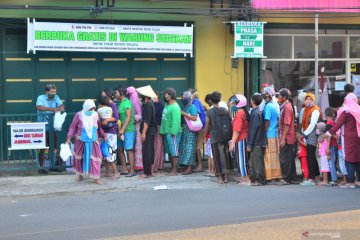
(115, 214)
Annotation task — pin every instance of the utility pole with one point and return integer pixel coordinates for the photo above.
(316, 56)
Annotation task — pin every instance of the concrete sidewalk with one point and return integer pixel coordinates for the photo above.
(66, 184)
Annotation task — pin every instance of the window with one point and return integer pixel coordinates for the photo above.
(304, 47)
(331, 47)
(277, 46)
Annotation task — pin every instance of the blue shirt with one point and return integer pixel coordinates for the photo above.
(200, 110)
(271, 113)
(44, 101)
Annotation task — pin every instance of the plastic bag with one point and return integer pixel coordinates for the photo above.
(194, 126)
(65, 152)
(104, 146)
(59, 120)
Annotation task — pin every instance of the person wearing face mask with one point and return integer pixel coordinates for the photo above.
(47, 104)
(287, 137)
(312, 115)
(86, 130)
(271, 158)
(137, 105)
(148, 129)
(187, 147)
(171, 128)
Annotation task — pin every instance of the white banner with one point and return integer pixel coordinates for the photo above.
(83, 37)
(27, 136)
(248, 39)
(356, 82)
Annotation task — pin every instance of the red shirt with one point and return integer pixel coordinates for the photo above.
(331, 123)
(287, 118)
(241, 124)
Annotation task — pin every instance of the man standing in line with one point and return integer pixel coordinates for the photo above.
(47, 104)
(171, 128)
(287, 138)
(271, 158)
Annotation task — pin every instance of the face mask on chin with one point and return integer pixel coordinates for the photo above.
(51, 96)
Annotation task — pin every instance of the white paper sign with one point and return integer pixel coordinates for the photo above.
(248, 39)
(356, 82)
(27, 136)
(84, 37)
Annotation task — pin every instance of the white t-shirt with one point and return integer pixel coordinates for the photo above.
(105, 112)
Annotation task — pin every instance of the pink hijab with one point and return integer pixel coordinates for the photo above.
(351, 106)
(135, 101)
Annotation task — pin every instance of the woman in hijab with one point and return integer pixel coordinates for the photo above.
(86, 129)
(188, 140)
(312, 115)
(137, 105)
(349, 116)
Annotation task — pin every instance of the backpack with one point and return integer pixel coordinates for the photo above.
(222, 125)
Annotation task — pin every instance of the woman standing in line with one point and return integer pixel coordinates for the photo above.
(137, 105)
(188, 140)
(86, 129)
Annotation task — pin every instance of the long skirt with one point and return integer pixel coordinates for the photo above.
(148, 153)
(187, 147)
(221, 157)
(159, 155)
(138, 149)
(271, 160)
(95, 162)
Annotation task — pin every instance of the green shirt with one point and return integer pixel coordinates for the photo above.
(123, 106)
(171, 119)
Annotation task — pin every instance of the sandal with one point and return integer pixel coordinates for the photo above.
(131, 175)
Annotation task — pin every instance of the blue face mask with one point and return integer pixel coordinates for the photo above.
(186, 101)
(89, 113)
(234, 108)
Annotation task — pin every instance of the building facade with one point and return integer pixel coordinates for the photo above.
(289, 40)
(81, 75)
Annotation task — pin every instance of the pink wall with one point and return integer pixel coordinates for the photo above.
(308, 5)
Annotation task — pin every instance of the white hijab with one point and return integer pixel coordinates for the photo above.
(89, 121)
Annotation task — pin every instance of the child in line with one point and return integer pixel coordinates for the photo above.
(208, 153)
(332, 149)
(323, 148)
(108, 123)
(302, 155)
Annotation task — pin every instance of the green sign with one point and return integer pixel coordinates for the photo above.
(248, 42)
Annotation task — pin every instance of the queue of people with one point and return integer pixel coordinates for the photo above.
(261, 137)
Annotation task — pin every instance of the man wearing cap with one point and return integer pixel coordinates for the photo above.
(271, 157)
(148, 128)
(171, 128)
(287, 137)
(47, 104)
